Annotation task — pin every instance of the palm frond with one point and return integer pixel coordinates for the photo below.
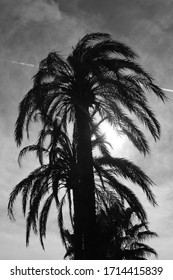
(128, 170)
(25, 107)
(143, 250)
(125, 193)
(60, 219)
(39, 151)
(144, 235)
(43, 218)
(25, 183)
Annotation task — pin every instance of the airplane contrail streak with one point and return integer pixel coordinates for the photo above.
(18, 62)
(167, 89)
(32, 65)
(22, 63)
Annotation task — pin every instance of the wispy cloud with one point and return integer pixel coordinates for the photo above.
(29, 30)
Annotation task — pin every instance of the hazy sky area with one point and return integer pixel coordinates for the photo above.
(29, 29)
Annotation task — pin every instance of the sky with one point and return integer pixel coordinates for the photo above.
(29, 30)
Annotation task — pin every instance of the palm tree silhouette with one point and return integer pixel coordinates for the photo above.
(124, 238)
(121, 235)
(100, 77)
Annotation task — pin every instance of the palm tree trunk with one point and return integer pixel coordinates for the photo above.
(85, 197)
(78, 240)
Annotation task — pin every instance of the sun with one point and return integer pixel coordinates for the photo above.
(116, 139)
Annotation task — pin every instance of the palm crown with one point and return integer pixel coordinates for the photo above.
(100, 74)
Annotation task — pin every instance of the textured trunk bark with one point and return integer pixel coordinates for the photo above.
(85, 216)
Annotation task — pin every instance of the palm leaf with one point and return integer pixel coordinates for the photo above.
(43, 218)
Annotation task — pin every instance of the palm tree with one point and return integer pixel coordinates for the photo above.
(120, 236)
(101, 77)
(124, 238)
(133, 244)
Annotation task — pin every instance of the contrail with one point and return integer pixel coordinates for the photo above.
(22, 63)
(33, 65)
(167, 89)
(19, 63)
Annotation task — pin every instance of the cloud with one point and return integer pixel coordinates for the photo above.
(34, 28)
(146, 26)
(39, 11)
(28, 38)
(29, 30)
(12, 242)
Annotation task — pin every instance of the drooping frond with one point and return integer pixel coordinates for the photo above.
(22, 186)
(147, 234)
(124, 192)
(39, 152)
(118, 119)
(43, 218)
(140, 251)
(128, 170)
(61, 220)
(25, 107)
